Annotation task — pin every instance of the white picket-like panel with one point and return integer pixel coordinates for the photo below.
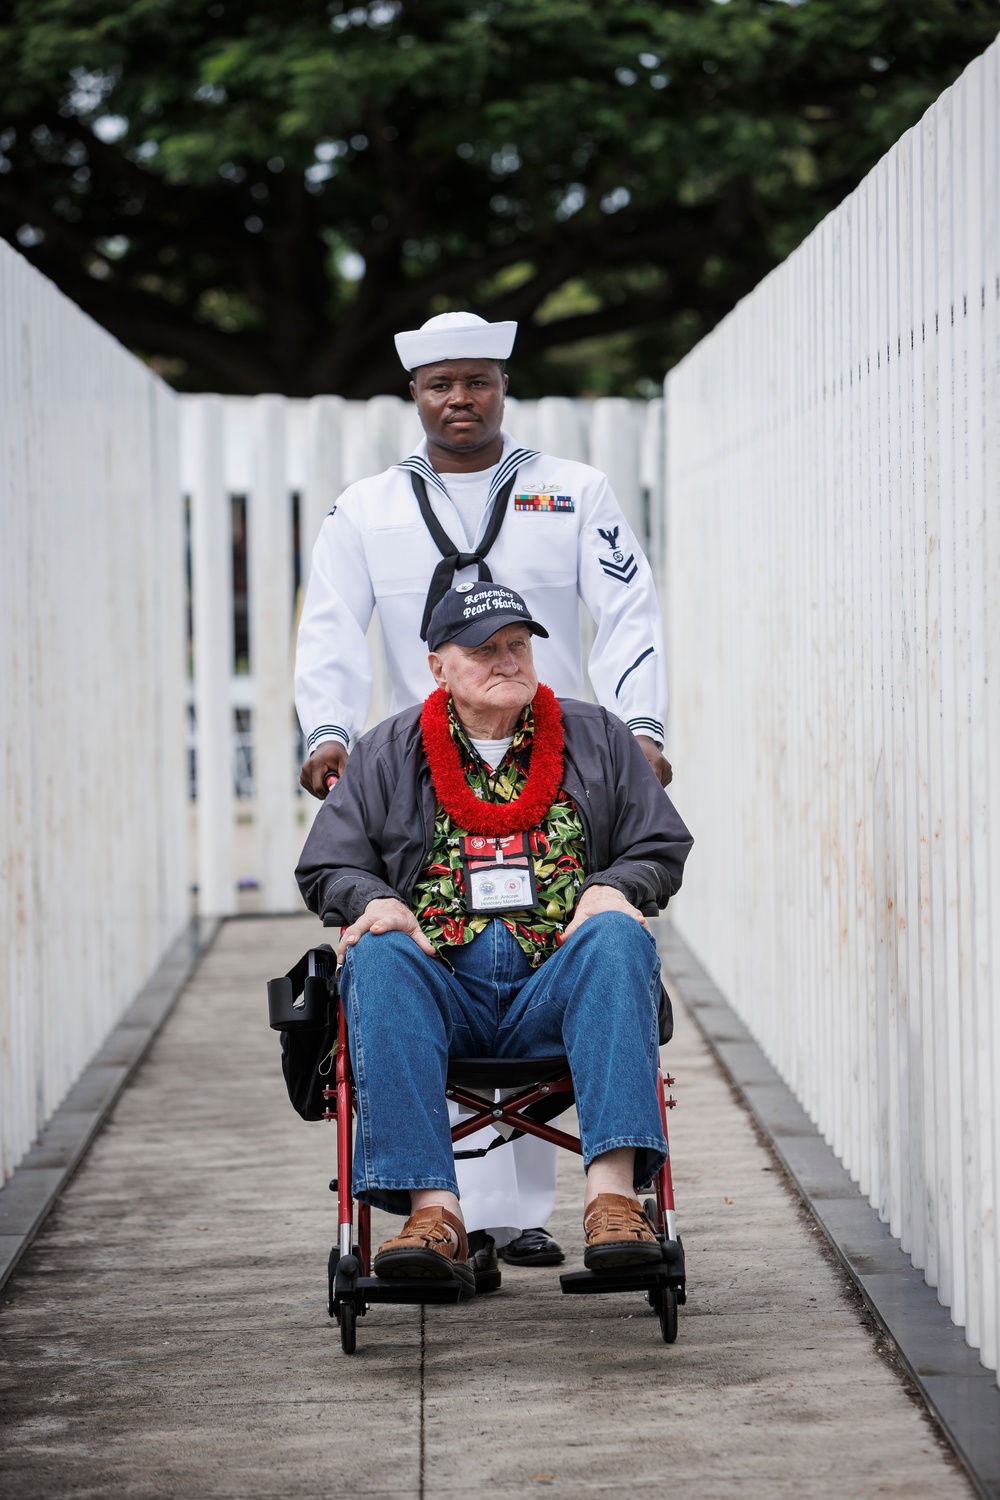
(269, 587)
(615, 448)
(318, 445)
(212, 621)
(521, 420)
(652, 459)
(986, 435)
(324, 436)
(833, 625)
(93, 864)
(561, 428)
(382, 427)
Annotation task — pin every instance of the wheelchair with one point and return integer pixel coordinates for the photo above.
(518, 1096)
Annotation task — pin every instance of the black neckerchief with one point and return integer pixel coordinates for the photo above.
(452, 558)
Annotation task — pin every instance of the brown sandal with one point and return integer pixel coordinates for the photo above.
(425, 1250)
(618, 1234)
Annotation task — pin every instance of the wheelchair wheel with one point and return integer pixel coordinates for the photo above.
(650, 1210)
(348, 1321)
(331, 1272)
(664, 1300)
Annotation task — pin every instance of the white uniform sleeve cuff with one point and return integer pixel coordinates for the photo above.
(652, 728)
(327, 732)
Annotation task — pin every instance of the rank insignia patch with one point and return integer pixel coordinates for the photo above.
(544, 504)
(619, 567)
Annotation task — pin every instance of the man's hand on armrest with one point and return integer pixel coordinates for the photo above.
(385, 914)
(662, 769)
(329, 757)
(597, 898)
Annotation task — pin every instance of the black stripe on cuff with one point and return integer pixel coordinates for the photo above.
(327, 732)
(652, 727)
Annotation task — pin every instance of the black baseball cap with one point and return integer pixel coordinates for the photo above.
(470, 614)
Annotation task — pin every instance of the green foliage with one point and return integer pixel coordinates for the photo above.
(256, 196)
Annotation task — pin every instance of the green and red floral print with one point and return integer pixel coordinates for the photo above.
(557, 845)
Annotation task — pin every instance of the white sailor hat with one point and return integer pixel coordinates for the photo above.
(455, 335)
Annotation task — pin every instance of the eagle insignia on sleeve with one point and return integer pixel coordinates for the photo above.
(620, 567)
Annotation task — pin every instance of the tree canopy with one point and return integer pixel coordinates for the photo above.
(255, 195)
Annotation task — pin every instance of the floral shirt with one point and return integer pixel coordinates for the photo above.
(557, 845)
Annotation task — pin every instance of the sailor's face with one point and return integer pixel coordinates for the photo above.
(498, 676)
(460, 402)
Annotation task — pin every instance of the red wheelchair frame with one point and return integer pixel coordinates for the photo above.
(351, 1287)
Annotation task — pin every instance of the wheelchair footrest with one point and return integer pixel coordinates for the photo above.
(624, 1279)
(373, 1289)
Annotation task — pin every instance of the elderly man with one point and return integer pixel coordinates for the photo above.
(469, 503)
(491, 853)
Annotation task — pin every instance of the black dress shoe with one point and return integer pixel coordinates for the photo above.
(533, 1247)
(483, 1260)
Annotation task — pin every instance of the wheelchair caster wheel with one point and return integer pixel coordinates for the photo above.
(331, 1273)
(348, 1328)
(650, 1210)
(664, 1300)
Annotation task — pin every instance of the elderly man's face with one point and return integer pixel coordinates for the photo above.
(497, 677)
(460, 402)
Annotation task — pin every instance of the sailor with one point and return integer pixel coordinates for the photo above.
(470, 504)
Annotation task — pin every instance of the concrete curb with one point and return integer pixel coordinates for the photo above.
(961, 1395)
(26, 1200)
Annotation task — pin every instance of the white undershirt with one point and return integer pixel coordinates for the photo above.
(469, 494)
(492, 751)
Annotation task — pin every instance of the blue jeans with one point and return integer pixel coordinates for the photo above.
(595, 1000)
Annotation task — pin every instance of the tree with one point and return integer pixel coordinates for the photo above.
(256, 195)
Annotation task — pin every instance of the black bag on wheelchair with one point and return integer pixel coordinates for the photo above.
(300, 1008)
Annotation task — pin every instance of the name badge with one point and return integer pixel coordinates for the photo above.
(499, 873)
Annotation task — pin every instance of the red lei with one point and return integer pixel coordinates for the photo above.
(495, 819)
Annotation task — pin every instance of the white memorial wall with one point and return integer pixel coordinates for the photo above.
(832, 592)
(93, 862)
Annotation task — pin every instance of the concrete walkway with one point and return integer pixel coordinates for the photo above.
(167, 1333)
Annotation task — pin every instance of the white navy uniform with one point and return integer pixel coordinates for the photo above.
(564, 538)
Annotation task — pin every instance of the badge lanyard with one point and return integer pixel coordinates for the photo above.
(499, 873)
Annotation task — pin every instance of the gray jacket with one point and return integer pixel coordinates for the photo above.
(373, 833)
